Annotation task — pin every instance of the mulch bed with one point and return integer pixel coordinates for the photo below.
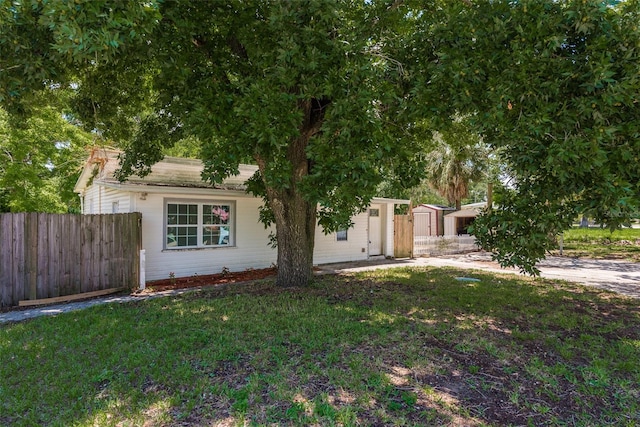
(211, 279)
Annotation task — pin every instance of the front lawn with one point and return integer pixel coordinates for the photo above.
(621, 244)
(392, 347)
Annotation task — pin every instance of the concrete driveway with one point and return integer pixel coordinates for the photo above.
(617, 276)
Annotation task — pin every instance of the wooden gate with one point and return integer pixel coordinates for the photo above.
(403, 236)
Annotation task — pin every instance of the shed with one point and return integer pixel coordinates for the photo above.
(428, 220)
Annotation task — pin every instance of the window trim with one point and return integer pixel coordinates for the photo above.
(200, 222)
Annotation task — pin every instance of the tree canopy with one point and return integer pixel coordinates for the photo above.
(555, 86)
(325, 97)
(40, 158)
(309, 91)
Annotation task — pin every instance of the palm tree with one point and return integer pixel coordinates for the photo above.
(458, 158)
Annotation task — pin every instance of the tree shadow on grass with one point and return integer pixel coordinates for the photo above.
(398, 347)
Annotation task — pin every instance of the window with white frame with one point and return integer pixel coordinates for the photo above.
(341, 235)
(199, 224)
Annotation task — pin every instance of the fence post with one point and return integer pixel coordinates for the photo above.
(142, 269)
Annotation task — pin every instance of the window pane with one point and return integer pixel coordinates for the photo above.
(214, 235)
(216, 214)
(193, 219)
(172, 239)
(341, 235)
(223, 239)
(210, 235)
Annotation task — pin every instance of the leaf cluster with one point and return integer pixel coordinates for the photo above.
(555, 86)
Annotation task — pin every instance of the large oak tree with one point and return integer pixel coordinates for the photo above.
(322, 95)
(309, 91)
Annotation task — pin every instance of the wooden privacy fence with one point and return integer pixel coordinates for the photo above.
(52, 255)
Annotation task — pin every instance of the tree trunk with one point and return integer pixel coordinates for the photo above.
(295, 217)
(295, 227)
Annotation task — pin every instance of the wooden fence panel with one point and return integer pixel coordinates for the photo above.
(49, 255)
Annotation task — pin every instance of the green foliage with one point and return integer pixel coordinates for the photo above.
(457, 158)
(309, 91)
(555, 86)
(40, 159)
(330, 99)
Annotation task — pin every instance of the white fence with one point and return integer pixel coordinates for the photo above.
(443, 245)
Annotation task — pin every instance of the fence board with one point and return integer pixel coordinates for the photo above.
(52, 256)
(48, 255)
(74, 252)
(66, 285)
(86, 253)
(19, 279)
(6, 262)
(42, 284)
(443, 245)
(96, 249)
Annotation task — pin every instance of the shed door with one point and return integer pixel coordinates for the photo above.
(375, 231)
(422, 224)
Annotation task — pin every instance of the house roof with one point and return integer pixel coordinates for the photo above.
(464, 213)
(471, 210)
(434, 207)
(169, 172)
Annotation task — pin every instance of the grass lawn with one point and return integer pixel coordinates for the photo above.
(602, 243)
(395, 347)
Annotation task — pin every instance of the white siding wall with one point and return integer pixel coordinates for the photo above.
(450, 226)
(100, 200)
(387, 229)
(251, 248)
(328, 249)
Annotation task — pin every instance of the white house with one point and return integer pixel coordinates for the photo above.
(191, 227)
